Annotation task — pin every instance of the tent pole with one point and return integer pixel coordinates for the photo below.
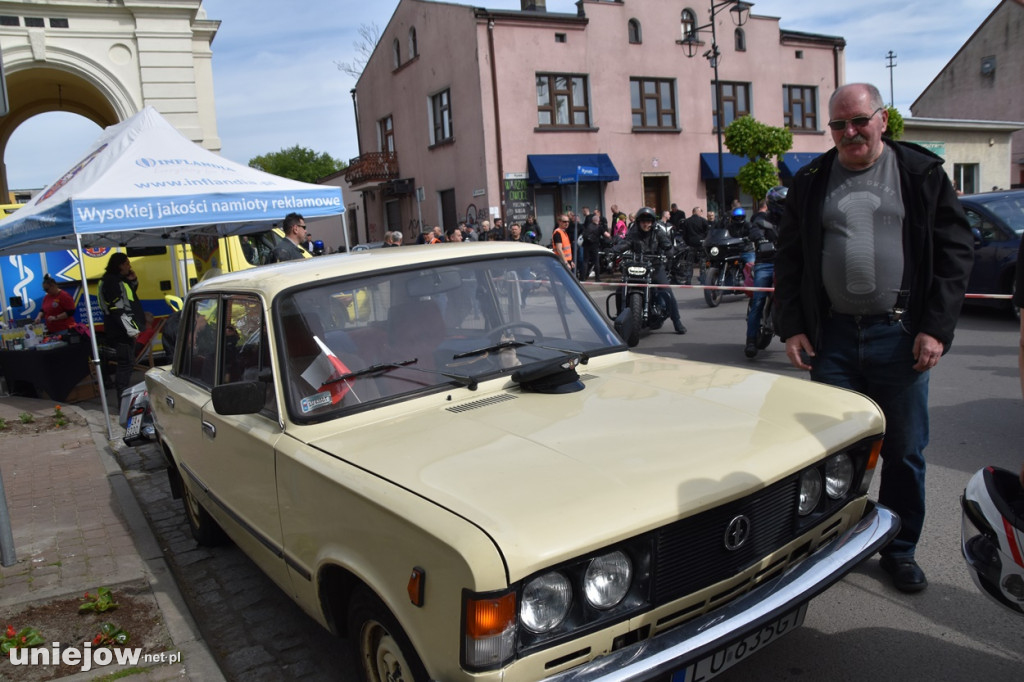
(344, 229)
(92, 337)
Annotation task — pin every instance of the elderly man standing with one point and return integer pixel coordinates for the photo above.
(874, 255)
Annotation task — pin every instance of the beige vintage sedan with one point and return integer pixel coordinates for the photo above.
(446, 455)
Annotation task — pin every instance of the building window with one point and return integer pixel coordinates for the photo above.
(688, 24)
(735, 99)
(396, 49)
(386, 134)
(635, 37)
(741, 40)
(561, 38)
(654, 103)
(413, 49)
(965, 178)
(800, 107)
(7, 20)
(441, 117)
(34, 22)
(562, 100)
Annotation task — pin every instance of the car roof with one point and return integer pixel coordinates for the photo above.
(986, 197)
(271, 279)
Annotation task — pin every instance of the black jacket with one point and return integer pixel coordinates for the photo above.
(653, 241)
(938, 248)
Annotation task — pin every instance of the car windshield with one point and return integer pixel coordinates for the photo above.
(349, 343)
(1010, 209)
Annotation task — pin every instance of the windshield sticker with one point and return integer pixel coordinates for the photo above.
(315, 402)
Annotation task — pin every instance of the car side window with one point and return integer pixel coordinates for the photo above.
(199, 359)
(245, 351)
(985, 229)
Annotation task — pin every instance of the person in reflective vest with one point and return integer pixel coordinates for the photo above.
(123, 317)
(561, 244)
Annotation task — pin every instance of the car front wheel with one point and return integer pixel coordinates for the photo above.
(380, 645)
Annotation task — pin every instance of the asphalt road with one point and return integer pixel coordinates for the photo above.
(861, 629)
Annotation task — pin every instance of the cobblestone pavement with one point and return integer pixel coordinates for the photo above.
(253, 629)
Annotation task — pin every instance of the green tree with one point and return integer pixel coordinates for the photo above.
(298, 163)
(895, 127)
(760, 143)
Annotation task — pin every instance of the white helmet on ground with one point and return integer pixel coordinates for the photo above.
(992, 535)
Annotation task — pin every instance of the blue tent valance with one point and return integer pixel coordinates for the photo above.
(794, 161)
(561, 169)
(731, 164)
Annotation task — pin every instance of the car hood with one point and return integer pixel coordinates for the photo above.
(647, 441)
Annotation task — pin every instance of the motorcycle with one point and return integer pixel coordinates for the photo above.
(637, 305)
(724, 264)
(135, 415)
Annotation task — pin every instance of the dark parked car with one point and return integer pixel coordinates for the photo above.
(997, 220)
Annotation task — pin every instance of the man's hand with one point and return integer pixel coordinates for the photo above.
(927, 351)
(795, 345)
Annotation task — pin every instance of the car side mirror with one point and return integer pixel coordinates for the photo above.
(239, 397)
(978, 239)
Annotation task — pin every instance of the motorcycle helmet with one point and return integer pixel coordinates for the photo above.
(318, 248)
(992, 535)
(776, 196)
(738, 213)
(646, 213)
(532, 236)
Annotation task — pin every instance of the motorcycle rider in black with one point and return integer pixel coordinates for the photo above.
(643, 238)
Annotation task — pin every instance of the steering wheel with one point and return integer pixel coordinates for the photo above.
(495, 334)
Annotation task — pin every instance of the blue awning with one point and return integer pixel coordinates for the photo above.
(794, 161)
(561, 169)
(731, 164)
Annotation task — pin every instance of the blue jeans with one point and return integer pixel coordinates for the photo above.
(873, 356)
(764, 275)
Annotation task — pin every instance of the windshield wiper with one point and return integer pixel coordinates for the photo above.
(501, 345)
(583, 357)
(382, 367)
(379, 368)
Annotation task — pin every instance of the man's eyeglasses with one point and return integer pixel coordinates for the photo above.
(857, 121)
(564, 221)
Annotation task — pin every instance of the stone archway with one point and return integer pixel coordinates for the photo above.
(106, 62)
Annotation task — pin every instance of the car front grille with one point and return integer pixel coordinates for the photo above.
(691, 554)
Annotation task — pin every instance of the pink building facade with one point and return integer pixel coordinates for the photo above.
(465, 113)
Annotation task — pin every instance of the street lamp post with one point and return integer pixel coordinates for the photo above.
(740, 12)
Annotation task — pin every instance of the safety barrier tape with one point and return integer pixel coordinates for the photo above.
(1002, 297)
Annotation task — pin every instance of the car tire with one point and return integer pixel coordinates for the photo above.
(380, 646)
(204, 529)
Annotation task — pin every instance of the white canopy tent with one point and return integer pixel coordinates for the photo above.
(145, 184)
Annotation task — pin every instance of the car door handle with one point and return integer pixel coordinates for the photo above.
(209, 429)
(170, 401)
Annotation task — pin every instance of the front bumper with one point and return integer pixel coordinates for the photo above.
(695, 639)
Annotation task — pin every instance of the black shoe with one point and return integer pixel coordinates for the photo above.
(680, 327)
(750, 350)
(906, 575)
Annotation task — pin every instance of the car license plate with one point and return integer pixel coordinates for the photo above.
(731, 654)
(134, 426)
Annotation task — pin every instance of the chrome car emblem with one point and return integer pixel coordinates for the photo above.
(737, 532)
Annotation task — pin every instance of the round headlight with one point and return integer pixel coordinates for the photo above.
(607, 580)
(546, 602)
(838, 475)
(713, 251)
(810, 491)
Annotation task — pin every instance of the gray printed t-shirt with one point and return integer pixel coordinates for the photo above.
(862, 258)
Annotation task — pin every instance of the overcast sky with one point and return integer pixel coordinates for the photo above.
(277, 84)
